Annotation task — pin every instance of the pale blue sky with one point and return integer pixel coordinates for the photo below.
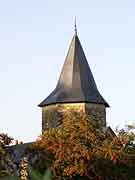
(34, 39)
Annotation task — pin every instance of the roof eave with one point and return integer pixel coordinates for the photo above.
(47, 104)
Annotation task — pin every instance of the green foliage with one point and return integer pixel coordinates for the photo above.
(36, 175)
(110, 171)
(130, 149)
(33, 175)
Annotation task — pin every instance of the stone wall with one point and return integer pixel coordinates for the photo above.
(52, 114)
(97, 112)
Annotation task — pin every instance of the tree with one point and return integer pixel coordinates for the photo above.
(5, 141)
(73, 145)
(79, 148)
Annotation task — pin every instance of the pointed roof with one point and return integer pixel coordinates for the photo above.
(76, 82)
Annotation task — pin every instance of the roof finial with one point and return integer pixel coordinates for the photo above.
(75, 27)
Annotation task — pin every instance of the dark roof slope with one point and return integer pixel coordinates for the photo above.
(76, 82)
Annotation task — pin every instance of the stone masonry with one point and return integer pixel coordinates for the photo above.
(52, 114)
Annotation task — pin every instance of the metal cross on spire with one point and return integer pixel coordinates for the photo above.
(75, 27)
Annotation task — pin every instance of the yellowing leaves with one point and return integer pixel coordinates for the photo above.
(76, 143)
(71, 144)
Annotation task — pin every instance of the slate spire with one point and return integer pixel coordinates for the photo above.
(76, 82)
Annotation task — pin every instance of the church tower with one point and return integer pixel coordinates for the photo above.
(76, 89)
